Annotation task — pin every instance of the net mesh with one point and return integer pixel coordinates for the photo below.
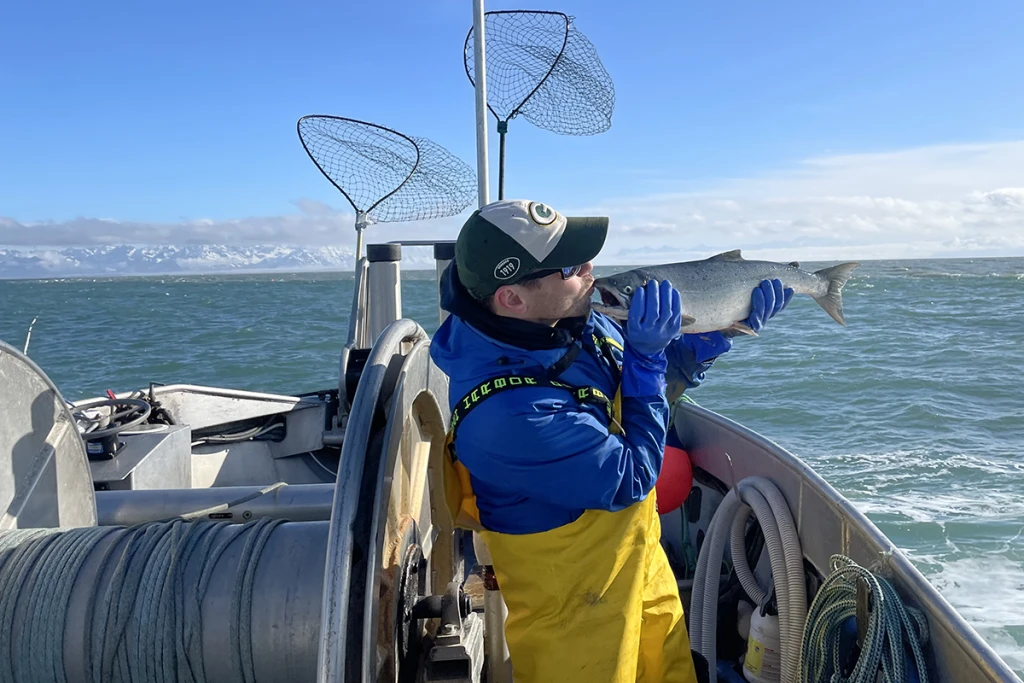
(539, 65)
(388, 176)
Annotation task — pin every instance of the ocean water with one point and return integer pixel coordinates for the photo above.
(914, 410)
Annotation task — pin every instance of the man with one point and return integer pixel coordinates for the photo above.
(559, 421)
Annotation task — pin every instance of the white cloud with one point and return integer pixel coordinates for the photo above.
(946, 200)
(316, 225)
(942, 201)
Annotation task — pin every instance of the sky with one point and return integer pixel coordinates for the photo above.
(796, 130)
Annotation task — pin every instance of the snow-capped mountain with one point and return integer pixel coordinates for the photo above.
(163, 260)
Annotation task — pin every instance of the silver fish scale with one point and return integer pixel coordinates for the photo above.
(716, 292)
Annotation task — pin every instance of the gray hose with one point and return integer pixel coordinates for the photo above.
(704, 600)
(763, 498)
(786, 559)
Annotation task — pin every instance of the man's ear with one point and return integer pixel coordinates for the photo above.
(508, 302)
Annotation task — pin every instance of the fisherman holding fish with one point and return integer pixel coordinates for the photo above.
(558, 430)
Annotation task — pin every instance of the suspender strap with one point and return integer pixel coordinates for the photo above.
(605, 345)
(496, 385)
(563, 363)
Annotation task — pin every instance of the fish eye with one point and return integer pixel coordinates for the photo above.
(628, 289)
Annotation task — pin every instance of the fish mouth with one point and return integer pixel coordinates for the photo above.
(611, 302)
(608, 298)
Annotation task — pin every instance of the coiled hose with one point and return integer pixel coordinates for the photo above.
(892, 629)
(761, 496)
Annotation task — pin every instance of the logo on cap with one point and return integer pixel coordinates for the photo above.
(506, 268)
(542, 214)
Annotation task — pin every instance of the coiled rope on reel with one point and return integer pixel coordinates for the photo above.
(143, 620)
(892, 629)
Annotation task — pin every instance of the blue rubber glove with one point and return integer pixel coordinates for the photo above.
(689, 357)
(706, 346)
(655, 315)
(765, 303)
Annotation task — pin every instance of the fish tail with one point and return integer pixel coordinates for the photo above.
(832, 299)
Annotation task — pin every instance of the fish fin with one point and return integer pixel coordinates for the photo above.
(733, 255)
(740, 327)
(685, 322)
(832, 299)
(795, 264)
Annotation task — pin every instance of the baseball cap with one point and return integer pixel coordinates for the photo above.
(507, 240)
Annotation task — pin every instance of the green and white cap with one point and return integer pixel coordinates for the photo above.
(505, 241)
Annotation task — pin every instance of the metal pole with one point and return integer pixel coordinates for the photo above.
(295, 502)
(480, 69)
(360, 226)
(384, 282)
(502, 129)
(499, 669)
(444, 254)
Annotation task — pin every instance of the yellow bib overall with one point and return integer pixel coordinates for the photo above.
(593, 601)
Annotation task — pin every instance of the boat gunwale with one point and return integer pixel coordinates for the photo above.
(908, 579)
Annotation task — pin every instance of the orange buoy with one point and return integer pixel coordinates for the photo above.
(675, 481)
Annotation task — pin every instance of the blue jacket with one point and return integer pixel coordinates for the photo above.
(538, 457)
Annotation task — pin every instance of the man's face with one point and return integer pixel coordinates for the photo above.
(551, 298)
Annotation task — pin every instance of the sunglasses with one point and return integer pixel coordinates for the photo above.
(571, 271)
